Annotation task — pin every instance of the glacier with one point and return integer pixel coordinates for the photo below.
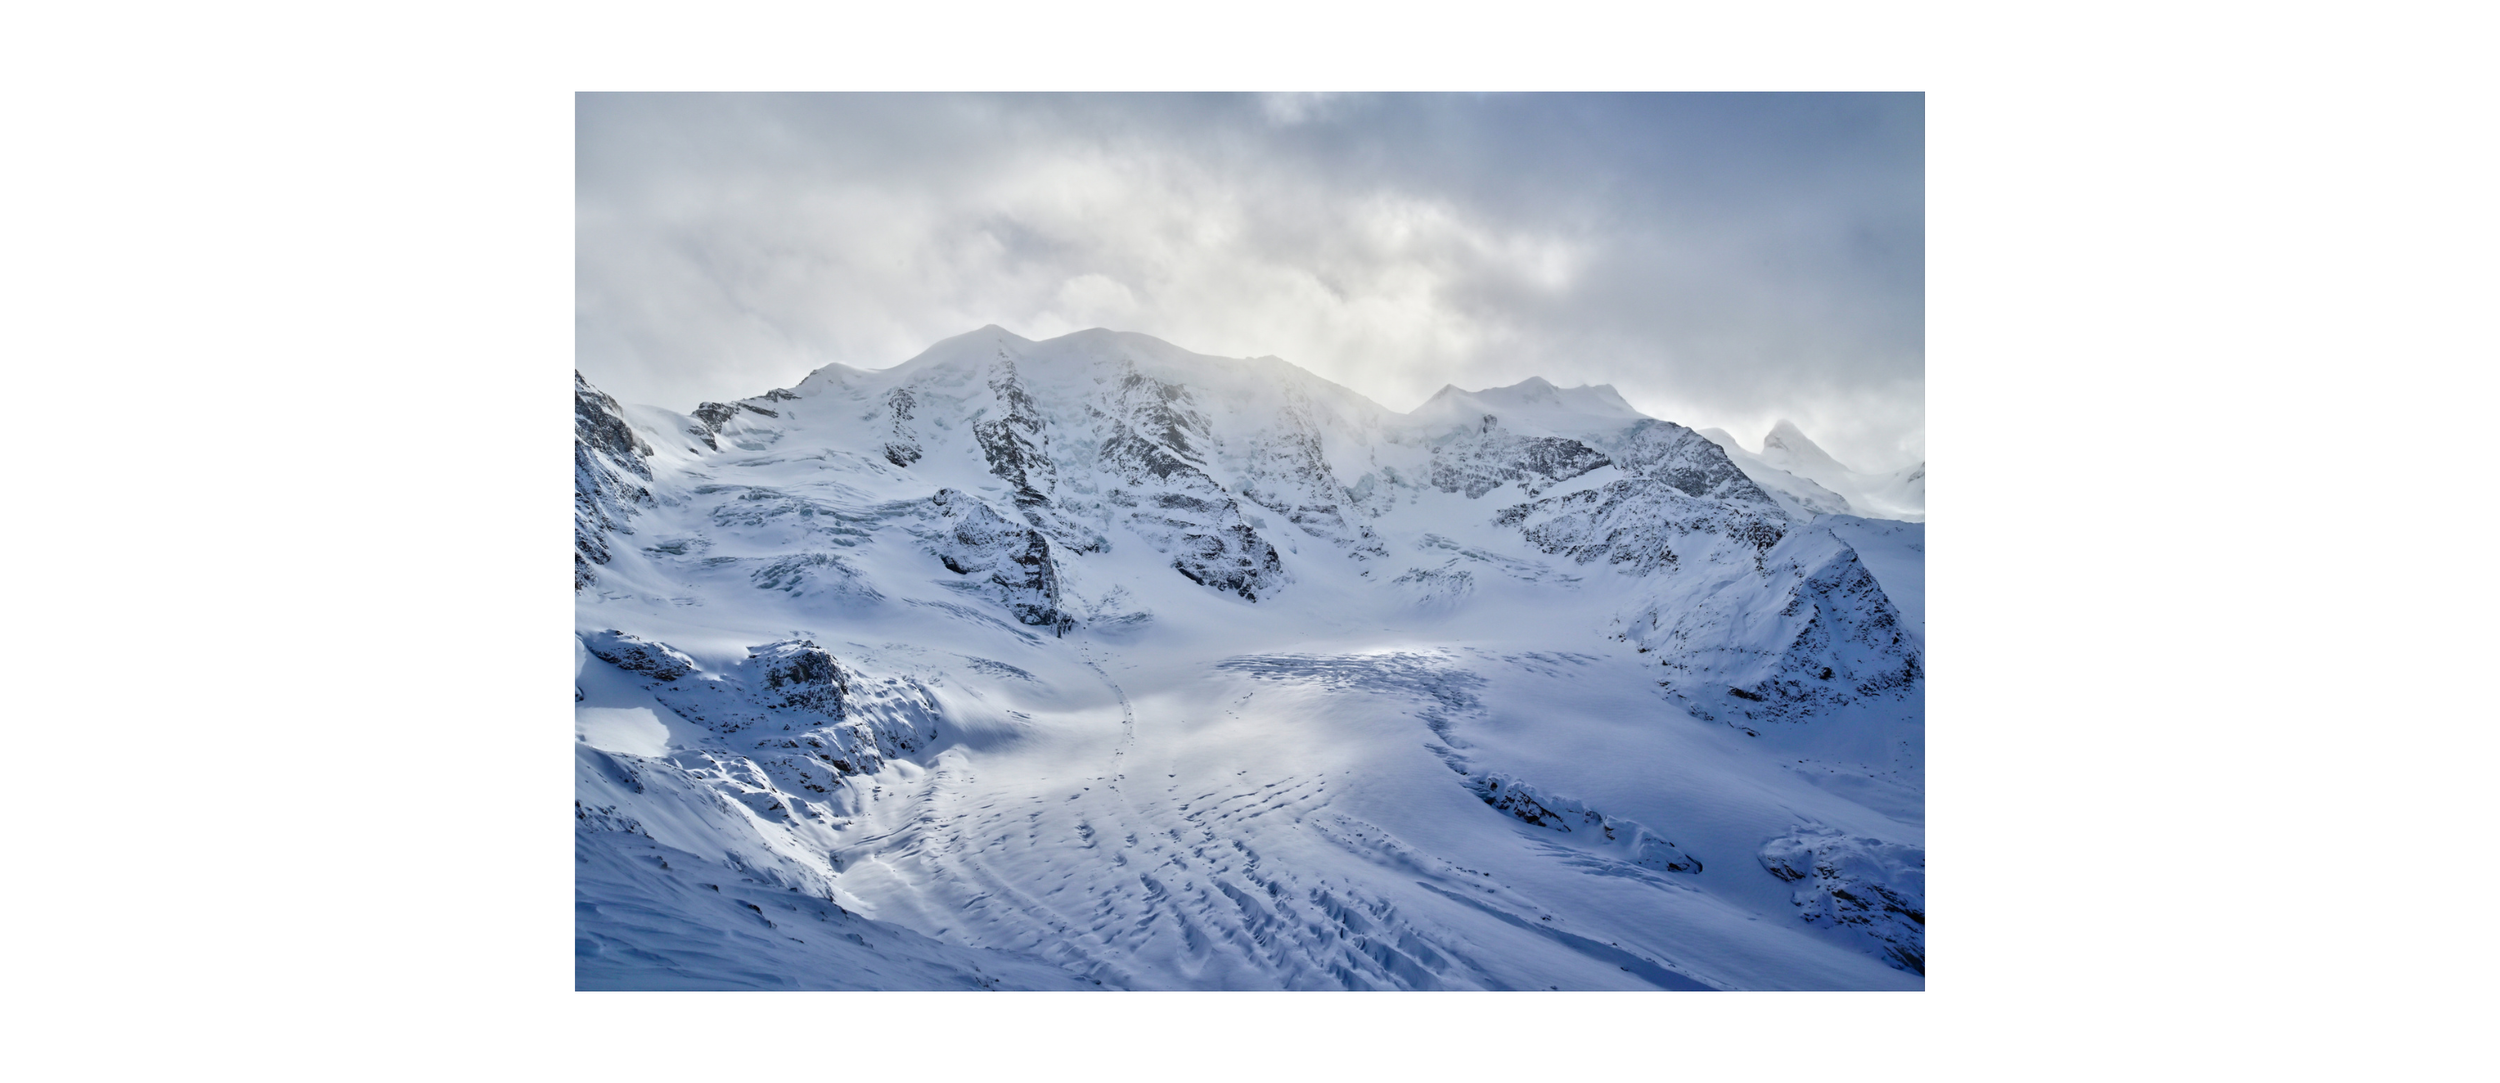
(1095, 663)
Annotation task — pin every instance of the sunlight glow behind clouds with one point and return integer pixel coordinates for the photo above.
(1720, 260)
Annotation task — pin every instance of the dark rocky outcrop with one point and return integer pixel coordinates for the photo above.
(1754, 619)
(1008, 561)
(1617, 837)
(799, 676)
(611, 477)
(808, 719)
(902, 450)
(658, 661)
(1478, 460)
(1689, 463)
(712, 417)
(1155, 450)
(1014, 443)
(1872, 889)
(1190, 518)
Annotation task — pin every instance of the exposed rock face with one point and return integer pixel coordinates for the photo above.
(658, 661)
(1754, 618)
(1166, 496)
(713, 415)
(1639, 522)
(1208, 540)
(808, 719)
(1293, 476)
(1689, 463)
(611, 477)
(1803, 632)
(1480, 460)
(1165, 414)
(1872, 889)
(1836, 640)
(1015, 443)
(1751, 623)
(713, 419)
(799, 678)
(902, 450)
(1006, 561)
(1619, 838)
(1565, 581)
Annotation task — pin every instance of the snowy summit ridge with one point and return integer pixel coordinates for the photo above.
(1093, 661)
(1805, 478)
(1533, 404)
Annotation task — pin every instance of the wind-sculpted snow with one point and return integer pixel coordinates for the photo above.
(1095, 662)
(1443, 588)
(1527, 571)
(807, 575)
(657, 917)
(1434, 679)
(1872, 889)
(1445, 691)
(785, 517)
(1294, 477)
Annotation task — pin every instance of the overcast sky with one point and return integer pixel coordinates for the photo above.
(1720, 259)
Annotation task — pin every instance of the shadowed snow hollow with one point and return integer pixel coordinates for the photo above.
(1093, 662)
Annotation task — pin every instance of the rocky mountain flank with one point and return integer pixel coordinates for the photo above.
(1106, 491)
(1757, 616)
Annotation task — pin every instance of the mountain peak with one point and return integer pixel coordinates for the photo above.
(859, 641)
(1786, 443)
(1533, 405)
(1785, 433)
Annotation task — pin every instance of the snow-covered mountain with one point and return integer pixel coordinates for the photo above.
(1805, 478)
(1094, 662)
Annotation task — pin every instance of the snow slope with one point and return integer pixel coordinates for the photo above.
(1794, 466)
(1093, 660)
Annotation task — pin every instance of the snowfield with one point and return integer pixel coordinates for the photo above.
(1095, 663)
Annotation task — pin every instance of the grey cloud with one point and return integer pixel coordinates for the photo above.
(1721, 259)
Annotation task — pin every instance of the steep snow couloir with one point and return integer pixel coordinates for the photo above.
(1094, 662)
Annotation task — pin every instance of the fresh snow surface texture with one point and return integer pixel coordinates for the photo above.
(1095, 663)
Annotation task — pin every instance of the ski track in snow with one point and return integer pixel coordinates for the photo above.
(1239, 688)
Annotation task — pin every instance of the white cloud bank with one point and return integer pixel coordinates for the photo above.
(1722, 260)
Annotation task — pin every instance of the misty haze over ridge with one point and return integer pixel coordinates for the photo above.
(1094, 662)
(1723, 260)
(1785, 460)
